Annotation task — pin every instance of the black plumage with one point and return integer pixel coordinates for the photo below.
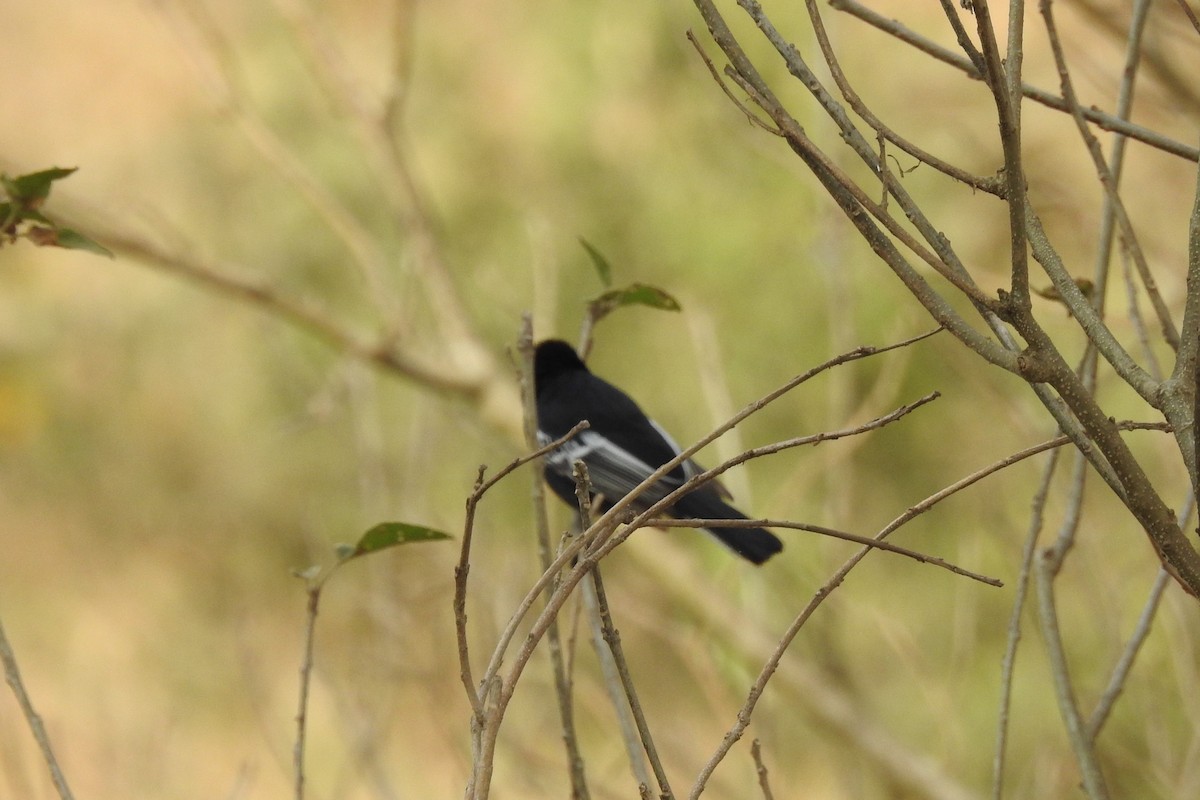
(622, 447)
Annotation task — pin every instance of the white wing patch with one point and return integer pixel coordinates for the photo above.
(614, 471)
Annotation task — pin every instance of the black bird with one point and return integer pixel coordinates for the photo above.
(621, 448)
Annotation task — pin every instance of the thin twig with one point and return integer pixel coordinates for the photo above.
(746, 712)
(838, 711)
(744, 715)
(760, 769)
(1116, 683)
(612, 661)
(12, 676)
(1191, 15)
(1008, 664)
(1141, 630)
(1085, 754)
(834, 178)
(613, 638)
(603, 546)
(306, 666)
(866, 541)
(1101, 119)
(562, 681)
(462, 570)
(1133, 51)
(1108, 181)
(960, 35)
(612, 685)
(1184, 382)
(1019, 300)
(753, 118)
(989, 184)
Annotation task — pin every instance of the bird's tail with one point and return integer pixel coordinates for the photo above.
(753, 544)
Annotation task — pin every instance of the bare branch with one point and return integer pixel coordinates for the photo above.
(1116, 683)
(613, 638)
(761, 769)
(463, 569)
(12, 676)
(562, 681)
(1085, 754)
(866, 541)
(306, 665)
(1008, 664)
(1099, 118)
(1108, 181)
(1019, 300)
(989, 184)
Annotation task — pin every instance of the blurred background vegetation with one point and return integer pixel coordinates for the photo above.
(168, 456)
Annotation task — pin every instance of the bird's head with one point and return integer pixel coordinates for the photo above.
(554, 357)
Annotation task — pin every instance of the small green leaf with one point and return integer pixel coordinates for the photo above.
(73, 240)
(31, 189)
(603, 268)
(390, 534)
(639, 294)
(635, 294)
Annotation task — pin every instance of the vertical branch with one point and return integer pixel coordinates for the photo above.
(612, 684)
(461, 572)
(1014, 171)
(1045, 569)
(613, 639)
(1133, 49)
(310, 626)
(622, 705)
(562, 681)
(1014, 60)
(1008, 665)
(1185, 377)
(761, 769)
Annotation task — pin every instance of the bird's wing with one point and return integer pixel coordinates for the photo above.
(691, 467)
(614, 471)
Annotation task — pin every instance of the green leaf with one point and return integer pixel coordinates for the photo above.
(390, 534)
(603, 268)
(635, 294)
(31, 189)
(73, 240)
